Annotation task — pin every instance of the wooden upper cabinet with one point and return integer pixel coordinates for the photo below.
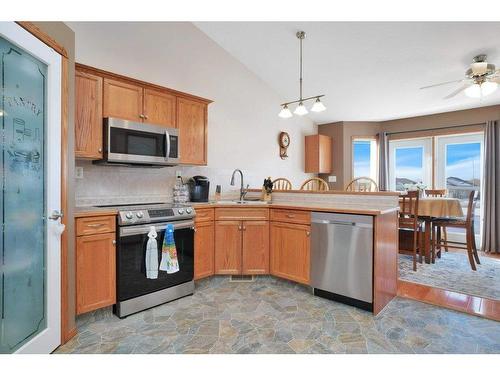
(123, 100)
(290, 251)
(88, 116)
(255, 252)
(192, 124)
(318, 154)
(159, 108)
(228, 247)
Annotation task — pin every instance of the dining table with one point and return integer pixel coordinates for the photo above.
(430, 208)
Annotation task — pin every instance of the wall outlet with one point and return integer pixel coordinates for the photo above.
(79, 172)
(178, 174)
(332, 178)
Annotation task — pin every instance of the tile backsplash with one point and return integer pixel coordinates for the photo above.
(119, 185)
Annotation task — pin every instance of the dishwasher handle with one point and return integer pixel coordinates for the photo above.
(345, 223)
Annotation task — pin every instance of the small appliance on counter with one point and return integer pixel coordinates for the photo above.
(199, 187)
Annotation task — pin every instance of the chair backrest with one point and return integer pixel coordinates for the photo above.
(314, 184)
(408, 211)
(435, 192)
(362, 184)
(471, 206)
(282, 184)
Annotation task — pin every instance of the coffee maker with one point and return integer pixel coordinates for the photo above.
(199, 187)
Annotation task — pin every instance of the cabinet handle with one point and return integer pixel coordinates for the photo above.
(114, 242)
(291, 216)
(194, 228)
(95, 225)
(145, 117)
(141, 116)
(100, 150)
(239, 227)
(308, 233)
(244, 228)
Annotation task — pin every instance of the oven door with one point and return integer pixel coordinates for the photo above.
(131, 264)
(138, 143)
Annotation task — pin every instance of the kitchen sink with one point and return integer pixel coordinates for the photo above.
(243, 202)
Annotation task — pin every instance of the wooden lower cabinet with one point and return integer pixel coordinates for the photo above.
(290, 251)
(204, 249)
(228, 247)
(241, 247)
(95, 272)
(255, 248)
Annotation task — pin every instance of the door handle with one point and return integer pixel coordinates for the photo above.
(167, 144)
(56, 214)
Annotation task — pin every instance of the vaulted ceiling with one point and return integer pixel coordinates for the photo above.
(369, 71)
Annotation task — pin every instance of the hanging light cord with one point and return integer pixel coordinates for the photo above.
(301, 36)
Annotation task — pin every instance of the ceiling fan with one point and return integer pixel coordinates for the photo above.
(481, 79)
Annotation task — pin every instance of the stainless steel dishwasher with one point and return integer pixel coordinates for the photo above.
(342, 258)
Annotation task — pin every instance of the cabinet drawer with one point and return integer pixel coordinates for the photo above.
(291, 216)
(95, 225)
(204, 214)
(239, 213)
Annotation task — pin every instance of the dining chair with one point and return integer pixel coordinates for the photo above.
(409, 221)
(362, 184)
(466, 223)
(282, 184)
(314, 184)
(439, 193)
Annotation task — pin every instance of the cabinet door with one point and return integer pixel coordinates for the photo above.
(290, 258)
(159, 108)
(192, 124)
(228, 247)
(255, 248)
(95, 272)
(122, 100)
(88, 116)
(204, 250)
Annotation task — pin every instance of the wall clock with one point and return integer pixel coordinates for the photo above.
(284, 141)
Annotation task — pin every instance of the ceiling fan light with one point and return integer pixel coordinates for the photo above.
(318, 106)
(473, 91)
(488, 87)
(285, 112)
(301, 110)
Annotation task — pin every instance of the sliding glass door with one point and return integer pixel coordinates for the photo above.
(459, 167)
(410, 163)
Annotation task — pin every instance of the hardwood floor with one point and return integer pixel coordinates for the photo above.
(473, 305)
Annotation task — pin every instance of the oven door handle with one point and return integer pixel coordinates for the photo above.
(167, 144)
(143, 229)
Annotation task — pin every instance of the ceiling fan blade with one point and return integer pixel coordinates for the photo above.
(458, 91)
(442, 83)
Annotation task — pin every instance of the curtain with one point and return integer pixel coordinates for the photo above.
(491, 188)
(383, 162)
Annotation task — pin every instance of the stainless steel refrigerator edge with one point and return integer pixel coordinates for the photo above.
(342, 256)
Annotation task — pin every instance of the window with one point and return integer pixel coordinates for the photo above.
(410, 163)
(364, 158)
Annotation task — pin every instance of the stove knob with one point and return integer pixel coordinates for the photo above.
(129, 215)
(189, 210)
(139, 214)
(180, 211)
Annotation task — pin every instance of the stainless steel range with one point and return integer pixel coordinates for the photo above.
(135, 292)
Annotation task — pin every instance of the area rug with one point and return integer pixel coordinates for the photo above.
(453, 272)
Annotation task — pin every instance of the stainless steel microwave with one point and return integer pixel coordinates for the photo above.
(127, 142)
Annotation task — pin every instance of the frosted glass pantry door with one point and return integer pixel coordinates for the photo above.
(25, 190)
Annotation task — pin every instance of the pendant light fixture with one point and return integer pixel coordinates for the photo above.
(301, 109)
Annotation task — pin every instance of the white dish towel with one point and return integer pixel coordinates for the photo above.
(152, 254)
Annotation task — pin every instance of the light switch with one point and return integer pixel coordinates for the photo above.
(79, 172)
(332, 178)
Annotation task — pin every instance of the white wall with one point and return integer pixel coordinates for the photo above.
(243, 122)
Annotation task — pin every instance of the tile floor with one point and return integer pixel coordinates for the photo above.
(276, 316)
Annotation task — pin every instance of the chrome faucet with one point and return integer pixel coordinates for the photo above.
(243, 191)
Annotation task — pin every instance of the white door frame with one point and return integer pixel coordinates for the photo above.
(50, 338)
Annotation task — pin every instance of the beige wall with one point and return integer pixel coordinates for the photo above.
(342, 133)
(63, 35)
